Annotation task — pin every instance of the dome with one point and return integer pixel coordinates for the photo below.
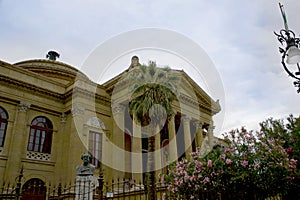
(54, 70)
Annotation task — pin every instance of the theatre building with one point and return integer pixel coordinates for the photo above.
(51, 113)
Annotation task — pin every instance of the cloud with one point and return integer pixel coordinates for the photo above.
(237, 36)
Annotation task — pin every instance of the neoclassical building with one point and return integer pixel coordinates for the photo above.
(51, 113)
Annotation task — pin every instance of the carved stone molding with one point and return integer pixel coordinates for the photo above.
(96, 123)
(77, 110)
(38, 156)
(198, 124)
(187, 99)
(63, 117)
(30, 87)
(23, 106)
(118, 108)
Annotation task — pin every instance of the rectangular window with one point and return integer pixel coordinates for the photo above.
(95, 147)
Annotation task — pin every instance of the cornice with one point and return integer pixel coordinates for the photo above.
(48, 93)
(29, 87)
(79, 91)
(192, 102)
(201, 94)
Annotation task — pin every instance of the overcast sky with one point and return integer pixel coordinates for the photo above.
(236, 35)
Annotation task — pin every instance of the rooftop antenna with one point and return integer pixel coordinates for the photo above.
(52, 55)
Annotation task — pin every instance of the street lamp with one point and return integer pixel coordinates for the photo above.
(291, 53)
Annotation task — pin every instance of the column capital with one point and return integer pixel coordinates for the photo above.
(77, 110)
(23, 106)
(186, 118)
(172, 116)
(198, 123)
(211, 127)
(63, 117)
(118, 108)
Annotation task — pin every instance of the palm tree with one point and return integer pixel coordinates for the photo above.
(153, 91)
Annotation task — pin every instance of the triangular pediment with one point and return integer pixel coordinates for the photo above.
(189, 91)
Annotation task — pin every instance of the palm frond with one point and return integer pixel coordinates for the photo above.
(151, 87)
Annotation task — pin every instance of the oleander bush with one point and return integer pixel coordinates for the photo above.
(251, 165)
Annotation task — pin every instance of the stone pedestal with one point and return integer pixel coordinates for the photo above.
(84, 188)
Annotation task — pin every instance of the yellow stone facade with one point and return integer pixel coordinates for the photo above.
(80, 117)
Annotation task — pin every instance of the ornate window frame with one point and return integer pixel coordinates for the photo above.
(40, 137)
(94, 129)
(3, 126)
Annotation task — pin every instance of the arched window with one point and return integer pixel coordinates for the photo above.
(3, 125)
(40, 138)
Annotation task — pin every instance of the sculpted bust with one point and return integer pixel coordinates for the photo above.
(85, 169)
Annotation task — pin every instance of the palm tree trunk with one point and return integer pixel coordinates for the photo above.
(151, 150)
(151, 185)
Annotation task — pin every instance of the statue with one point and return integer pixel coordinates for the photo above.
(85, 169)
(84, 179)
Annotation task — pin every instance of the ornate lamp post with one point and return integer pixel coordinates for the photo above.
(291, 52)
(19, 184)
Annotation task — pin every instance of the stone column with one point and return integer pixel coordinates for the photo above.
(56, 150)
(17, 149)
(199, 133)
(118, 150)
(158, 149)
(187, 135)
(75, 137)
(137, 162)
(173, 154)
(211, 135)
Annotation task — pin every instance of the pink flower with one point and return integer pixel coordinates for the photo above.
(193, 178)
(163, 196)
(209, 163)
(198, 164)
(186, 177)
(223, 156)
(293, 163)
(206, 180)
(256, 166)
(244, 163)
(249, 137)
(227, 150)
(228, 161)
(290, 150)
